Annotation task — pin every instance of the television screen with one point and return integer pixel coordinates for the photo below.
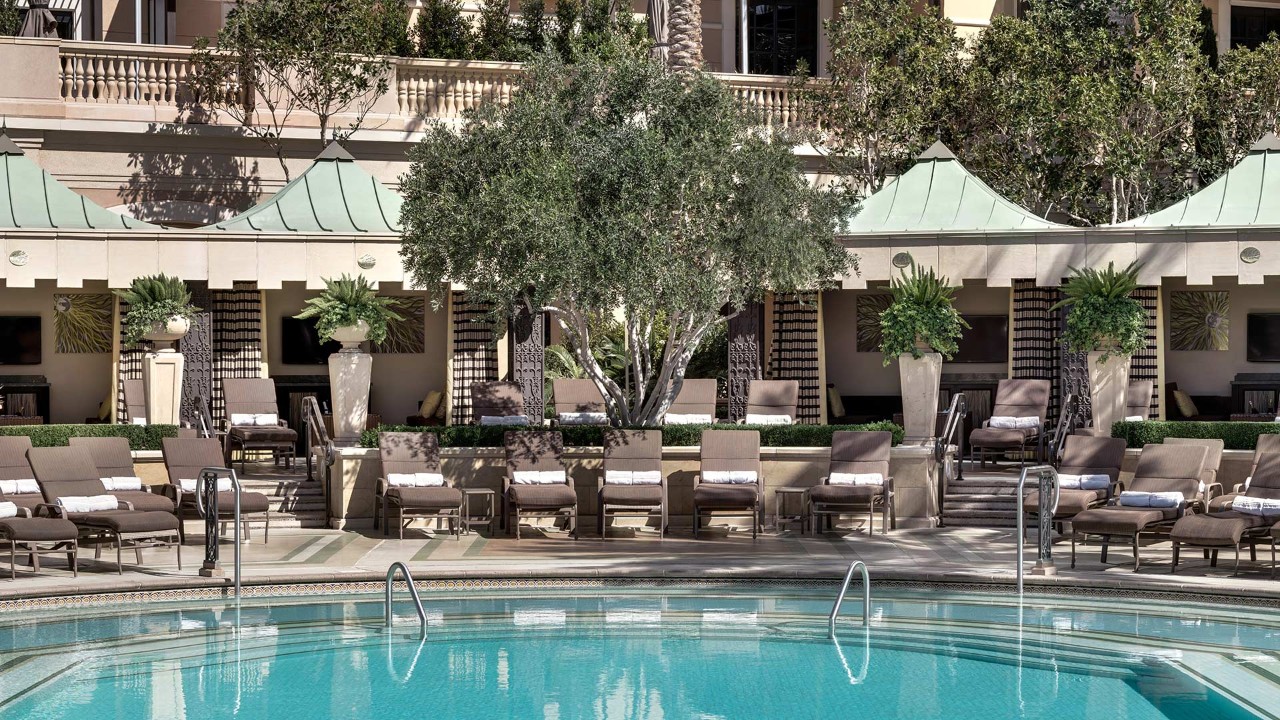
(986, 340)
(20, 340)
(300, 343)
(1263, 337)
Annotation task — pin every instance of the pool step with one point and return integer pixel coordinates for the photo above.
(982, 499)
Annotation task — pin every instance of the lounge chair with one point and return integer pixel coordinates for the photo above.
(17, 482)
(857, 480)
(1269, 443)
(772, 402)
(1209, 485)
(1232, 528)
(1083, 455)
(69, 472)
(184, 458)
(695, 404)
(114, 461)
(578, 402)
(254, 422)
(135, 401)
(1021, 407)
(537, 483)
(1161, 469)
(498, 403)
(730, 478)
(1137, 400)
(24, 534)
(412, 484)
(632, 483)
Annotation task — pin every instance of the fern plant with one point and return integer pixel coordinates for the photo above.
(920, 317)
(346, 301)
(1102, 315)
(152, 301)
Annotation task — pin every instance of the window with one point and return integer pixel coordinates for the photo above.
(1250, 26)
(780, 34)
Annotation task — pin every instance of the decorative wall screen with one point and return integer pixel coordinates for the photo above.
(236, 315)
(745, 349)
(793, 354)
(528, 355)
(475, 355)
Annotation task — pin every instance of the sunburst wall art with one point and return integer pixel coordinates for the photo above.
(1199, 321)
(82, 323)
(868, 312)
(410, 334)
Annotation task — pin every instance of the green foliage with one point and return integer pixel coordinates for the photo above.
(611, 188)
(152, 300)
(346, 301)
(1244, 105)
(533, 31)
(489, 436)
(9, 16)
(1102, 315)
(393, 15)
(442, 31)
(921, 314)
(141, 437)
(1234, 435)
(495, 38)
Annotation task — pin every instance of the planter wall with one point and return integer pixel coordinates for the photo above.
(920, 380)
(1108, 384)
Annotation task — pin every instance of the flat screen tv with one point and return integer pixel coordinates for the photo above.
(986, 340)
(20, 340)
(300, 343)
(1263, 337)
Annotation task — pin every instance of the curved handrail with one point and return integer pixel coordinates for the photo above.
(866, 597)
(1040, 471)
(317, 436)
(1068, 421)
(211, 475)
(861, 677)
(413, 591)
(391, 665)
(204, 418)
(952, 434)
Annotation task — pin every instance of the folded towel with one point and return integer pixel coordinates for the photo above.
(1262, 507)
(1134, 418)
(1247, 481)
(189, 486)
(88, 503)
(1006, 422)
(632, 477)
(8, 510)
(1132, 498)
(242, 418)
(688, 419)
(584, 418)
(729, 477)
(856, 479)
(504, 420)
(538, 477)
(138, 421)
(119, 484)
(1068, 481)
(420, 479)
(754, 419)
(266, 419)
(19, 487)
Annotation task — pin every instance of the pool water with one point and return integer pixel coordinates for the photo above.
(732, 652)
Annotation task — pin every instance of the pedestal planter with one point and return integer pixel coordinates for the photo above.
(920, 380)
(350, 376)
(1108, 383)
(162, 373)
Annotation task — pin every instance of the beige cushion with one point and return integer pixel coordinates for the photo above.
(836, 402)
(443, 410)
(431, 404)
(1185, 404)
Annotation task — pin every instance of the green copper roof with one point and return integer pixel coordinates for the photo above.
(31, 198)
(938, 195)
(1244, 195)
(333, 196)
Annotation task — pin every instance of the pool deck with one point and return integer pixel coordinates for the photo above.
(952, 555)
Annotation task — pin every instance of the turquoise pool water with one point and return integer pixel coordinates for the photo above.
(721, 652)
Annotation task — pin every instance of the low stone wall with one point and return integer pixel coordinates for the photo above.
(353, 481)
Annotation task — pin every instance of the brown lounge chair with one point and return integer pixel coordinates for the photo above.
(135, 401)
(184, 458)
(537, 450)
(1215, 531)
(14, 466)
(855, 453)
(1014, 398)
(33, 536)
(112, 458)
(1161, 468)
(256, 396)
(70, 472)
(773, 398)
(629, 451)
(1209, 485)
(502, 401)
(409, 453)
(1269, 443)
(1083, 455)
(578, 402)
(728, 451)
(696, 398)
(1137, 399)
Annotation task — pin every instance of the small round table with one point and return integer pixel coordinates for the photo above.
(486, 517)
(801, 516)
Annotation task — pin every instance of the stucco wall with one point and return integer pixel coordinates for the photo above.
(1211, 372)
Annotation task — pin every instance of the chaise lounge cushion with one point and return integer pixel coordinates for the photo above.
(542, 496)
(146, 501)
(264, 434)
(25, 500)
(250, 502)
(1070, 502)
(41, 529)
(638, 495)
(725, 496)
(1222, 503)
(1222, 528)
(1001, 437)
(844, 494)
(425, 498)
(127, 521)
(1119, 520)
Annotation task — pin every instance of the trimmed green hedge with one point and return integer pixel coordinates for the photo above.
(672, 436)
(141, 437)
(1234, 435)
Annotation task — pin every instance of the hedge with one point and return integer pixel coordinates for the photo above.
(141, 437)
(1234, 435)
(489, 436)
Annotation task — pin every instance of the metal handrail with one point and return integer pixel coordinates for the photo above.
(1067, 423)
(204, 418)
(952, 433)
(1041, 472)
(212, 474)
(413, 591)
(317, 435)
(866, 597)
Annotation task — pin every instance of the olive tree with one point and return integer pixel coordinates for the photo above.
(616, 189)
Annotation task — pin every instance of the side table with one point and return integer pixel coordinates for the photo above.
(487, 515)
(801, 515)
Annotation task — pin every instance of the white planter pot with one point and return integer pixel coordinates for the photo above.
(174, 329)
(350, 375)
(920, 381)
(352, 335)
(1108, 384)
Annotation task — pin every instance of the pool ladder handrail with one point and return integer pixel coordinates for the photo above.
(413, 591)
(844, 588)
(1039, 471)
(212, 475)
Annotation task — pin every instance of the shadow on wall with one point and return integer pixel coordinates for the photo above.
(188, 188)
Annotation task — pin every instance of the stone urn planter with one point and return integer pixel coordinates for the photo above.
(921, 378)
(1108, 384)
(170, 331)
(350, 376)
(162, 372)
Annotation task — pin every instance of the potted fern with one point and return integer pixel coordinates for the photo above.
(160, 310)
(349, 311)
(1105, 321)
(919, 328)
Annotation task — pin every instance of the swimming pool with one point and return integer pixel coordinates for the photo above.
(732, 652)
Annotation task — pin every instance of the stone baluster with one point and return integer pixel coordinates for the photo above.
(110, 79)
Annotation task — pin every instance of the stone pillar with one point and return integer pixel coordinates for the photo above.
(527, 350)
(746, 357)
(350, 375)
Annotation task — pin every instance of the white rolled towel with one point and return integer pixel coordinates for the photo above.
(88, 503)
(8, 510)
(189, 486)
(857, 479)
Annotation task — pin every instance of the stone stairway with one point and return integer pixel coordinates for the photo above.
(982, 499)
(300, 503)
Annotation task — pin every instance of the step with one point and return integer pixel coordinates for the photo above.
(949, 521)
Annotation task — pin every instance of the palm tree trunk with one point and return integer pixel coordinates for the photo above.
(686, 35)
